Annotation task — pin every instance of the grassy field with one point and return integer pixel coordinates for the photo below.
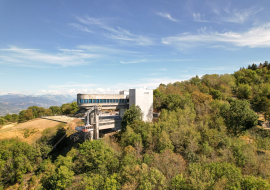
(27, 132)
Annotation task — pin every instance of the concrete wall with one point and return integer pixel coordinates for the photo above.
(144, 99)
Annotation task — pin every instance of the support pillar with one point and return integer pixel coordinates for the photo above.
(96, 130)
(121, 112)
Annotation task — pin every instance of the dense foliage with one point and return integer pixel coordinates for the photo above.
(206, 137)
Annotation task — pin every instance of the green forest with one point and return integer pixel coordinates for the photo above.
(206, 137)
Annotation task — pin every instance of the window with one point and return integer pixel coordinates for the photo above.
(85, 101)
(113, 100)
(94, 101)
(127, 100)
(100, 101)
(90, 100)
(104, 100)
(116, 100)
(97, 100)
(78, 101)
(108, 100)
(120, 100)
(81, 101)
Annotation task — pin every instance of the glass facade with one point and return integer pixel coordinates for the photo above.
(86, 101)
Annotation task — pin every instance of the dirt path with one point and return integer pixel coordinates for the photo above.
(9, 125)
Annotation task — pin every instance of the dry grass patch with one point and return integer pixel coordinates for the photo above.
(33, 127)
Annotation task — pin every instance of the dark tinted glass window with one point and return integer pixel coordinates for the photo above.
(97, 100)
(85, 101)
(104, 100)
(113, 100)
(94, 100)
(116, 100)
(90, 100)
(81, 101)
(110, 100)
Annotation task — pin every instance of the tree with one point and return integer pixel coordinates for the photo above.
(96, 157)
(213, 175)
(21, 116)
(251, 182)
(35, 110)
(179, 182)
(164, 142)
(112, 183)
(238, 116)
(216, 94)
(74, 107)
(14, 118)
(41, 111)
(59, 179)
(8, 117)
(244, 91)
(169, 163)
(2, 121)
(28, 114)
(48, 112)
(132, 114)
(55, 110)
(66, 109)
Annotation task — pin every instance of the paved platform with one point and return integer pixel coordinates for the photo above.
(63, 119)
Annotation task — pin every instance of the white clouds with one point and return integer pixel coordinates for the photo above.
(74, 88)
(72, 85)
(134, 61)
(198, 17)
(254, 37)
(167, 16)
(240, 16)
(118, 33)
(80, 27)
(80, 55)
(105, 49)
(37, 58)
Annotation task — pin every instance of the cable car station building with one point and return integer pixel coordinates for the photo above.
(95, 103)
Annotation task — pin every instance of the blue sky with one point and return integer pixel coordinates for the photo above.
(98, 46)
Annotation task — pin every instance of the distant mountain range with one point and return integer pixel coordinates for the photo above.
(14, 103)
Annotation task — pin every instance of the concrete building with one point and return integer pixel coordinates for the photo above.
(144, 99)
(94, 103)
